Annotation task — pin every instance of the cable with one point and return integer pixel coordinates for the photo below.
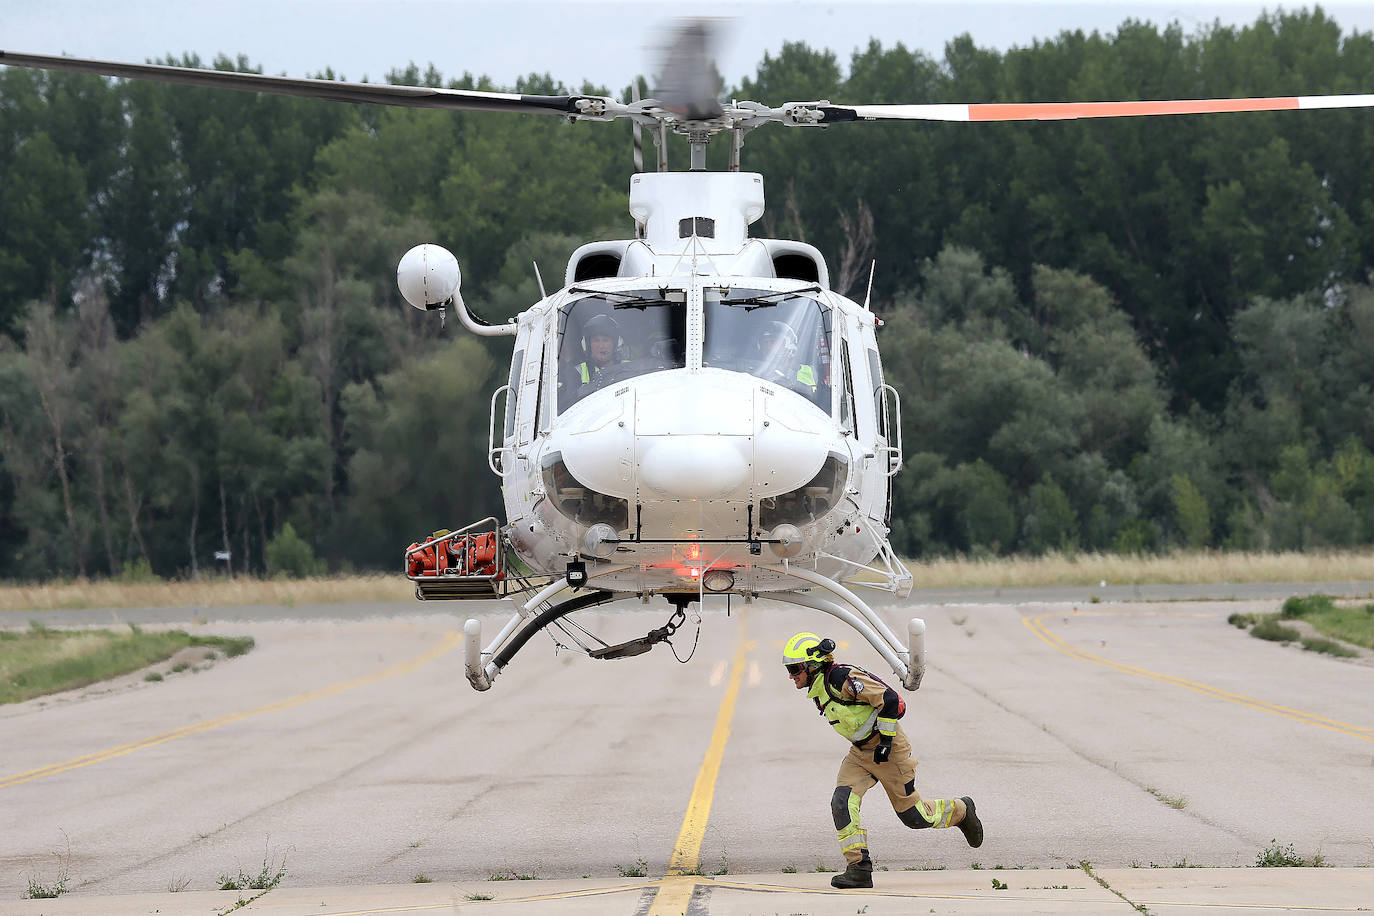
(695, 640)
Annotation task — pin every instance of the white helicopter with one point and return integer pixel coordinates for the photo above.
(696, 411)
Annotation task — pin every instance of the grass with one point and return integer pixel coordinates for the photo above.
(1348, 624)
(1177, 802)
(422, 878)
(637, 870)
(1328, 647)
(1276, 856)
(47, 890)
(1268, 627)
(269, 877)
(1051, 569)
(37, 890)
(205, 592)
(1088, 869)
(40, 661)
(476, 897)
(513, 876)
(1123, 569)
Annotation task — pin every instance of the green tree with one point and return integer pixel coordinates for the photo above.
(1050, 522)
(418, 441)
(289, 557)
(1191, 514)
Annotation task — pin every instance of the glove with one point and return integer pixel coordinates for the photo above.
(883, 750)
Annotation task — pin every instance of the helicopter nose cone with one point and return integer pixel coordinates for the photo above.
(693, 467)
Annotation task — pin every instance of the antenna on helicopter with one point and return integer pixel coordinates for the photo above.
(539, 278)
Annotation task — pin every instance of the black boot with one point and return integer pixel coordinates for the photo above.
(860, 874)
(970, 826)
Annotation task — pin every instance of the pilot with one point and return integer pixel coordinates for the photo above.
(865, 711)
(778, 349)
(601, 334)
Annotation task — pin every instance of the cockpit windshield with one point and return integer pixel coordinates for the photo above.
(783, 338)
(606, 337)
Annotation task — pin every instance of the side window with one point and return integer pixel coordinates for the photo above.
(875, 372)
(541, 402)
(517, 364)
(847, 399)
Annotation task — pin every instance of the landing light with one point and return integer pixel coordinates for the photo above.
(718, 580)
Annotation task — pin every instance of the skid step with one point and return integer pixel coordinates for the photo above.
(450, 588)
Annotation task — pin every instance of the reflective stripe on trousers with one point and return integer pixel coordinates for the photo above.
(858, 773)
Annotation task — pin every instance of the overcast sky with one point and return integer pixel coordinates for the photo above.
(606, 43)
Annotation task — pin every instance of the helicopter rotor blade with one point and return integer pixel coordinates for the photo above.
(1063, 111)
(689, 84)
(594, 107)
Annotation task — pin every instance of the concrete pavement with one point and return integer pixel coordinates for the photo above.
(1161, 892)
(353, 752)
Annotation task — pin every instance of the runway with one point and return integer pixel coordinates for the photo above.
(353, 752)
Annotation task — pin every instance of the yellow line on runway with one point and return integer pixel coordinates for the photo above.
(1037, 626)
(676, 888)
(687, 849)
(449, 641)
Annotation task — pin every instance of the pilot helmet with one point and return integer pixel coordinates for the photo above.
(786, 338)
(601, 326)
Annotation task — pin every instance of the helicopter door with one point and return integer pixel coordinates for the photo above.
(871, 409)
(886, 457)
(524, 401)
(530, 400)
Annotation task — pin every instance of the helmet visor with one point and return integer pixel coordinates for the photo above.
(796, 669)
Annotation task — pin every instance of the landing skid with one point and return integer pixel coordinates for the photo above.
(482, 665)
(908, 662)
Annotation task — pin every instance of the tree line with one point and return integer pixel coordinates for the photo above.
(1127, 336)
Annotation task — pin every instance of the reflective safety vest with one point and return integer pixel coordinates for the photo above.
(853, 720)
(807, 376)
(586, 370)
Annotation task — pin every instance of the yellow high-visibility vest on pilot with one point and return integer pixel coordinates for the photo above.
(864, 711)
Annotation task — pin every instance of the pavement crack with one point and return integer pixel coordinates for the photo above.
(1081, 753)
(1087, 867)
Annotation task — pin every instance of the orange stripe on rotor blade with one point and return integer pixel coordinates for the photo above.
(1061, 111)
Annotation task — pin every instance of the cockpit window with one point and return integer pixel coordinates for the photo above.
(604, 338)
(783, 338)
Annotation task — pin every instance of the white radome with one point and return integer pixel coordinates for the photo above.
(428, 275)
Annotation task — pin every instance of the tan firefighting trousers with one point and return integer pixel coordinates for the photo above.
(858, 773)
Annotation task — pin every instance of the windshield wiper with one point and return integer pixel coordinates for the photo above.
(633, 300)
(763, 300)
